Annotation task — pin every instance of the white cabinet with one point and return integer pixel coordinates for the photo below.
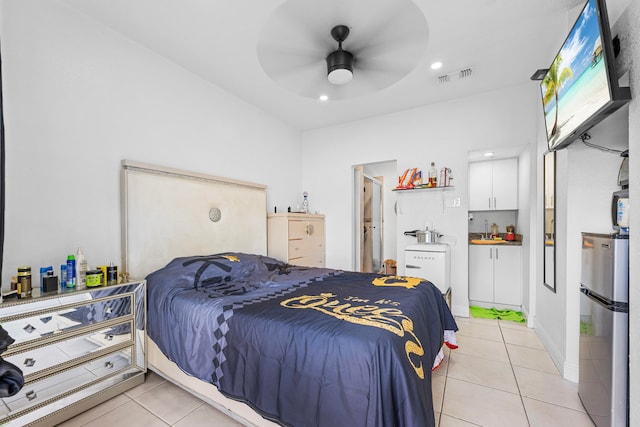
(493, 185)
(495, 275)
(297, 239)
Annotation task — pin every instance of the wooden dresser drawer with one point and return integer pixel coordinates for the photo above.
(306, 229)
(316, 260)
(305, 247)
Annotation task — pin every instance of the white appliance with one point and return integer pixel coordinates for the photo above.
(430, 261)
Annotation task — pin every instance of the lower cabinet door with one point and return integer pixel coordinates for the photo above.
(481, 273)
(508, 275)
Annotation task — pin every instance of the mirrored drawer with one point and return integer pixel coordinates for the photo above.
(40, 392)
(66, 318)
(66, 352)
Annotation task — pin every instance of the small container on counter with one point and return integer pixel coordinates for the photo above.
(63, 276)
(71, 271)
(43, 273)
(50, 282)
(103, 268)
(24, 282)
(94, 278)
(112, 275)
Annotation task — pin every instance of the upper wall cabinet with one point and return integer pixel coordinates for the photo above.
(493, 185)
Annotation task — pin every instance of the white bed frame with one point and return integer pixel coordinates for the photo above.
(166, 214)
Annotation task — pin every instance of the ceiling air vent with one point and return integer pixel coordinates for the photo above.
(463, 74)
(459, 75)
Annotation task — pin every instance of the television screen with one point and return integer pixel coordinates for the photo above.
(577, 86)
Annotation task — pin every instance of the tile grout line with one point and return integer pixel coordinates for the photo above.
(444, 388)
(101, 415)
(189, 413)
(524, 408)
(151, 412)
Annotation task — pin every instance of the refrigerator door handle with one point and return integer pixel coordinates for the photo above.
(621, 307)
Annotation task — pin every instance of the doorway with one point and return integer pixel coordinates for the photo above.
(374, 222)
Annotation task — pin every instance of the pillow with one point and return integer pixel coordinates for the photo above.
(218, 269)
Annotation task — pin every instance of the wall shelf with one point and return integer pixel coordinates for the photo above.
(422, 189)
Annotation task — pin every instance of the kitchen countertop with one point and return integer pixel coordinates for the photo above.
(503, 242)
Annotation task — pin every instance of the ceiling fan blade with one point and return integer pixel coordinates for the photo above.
(305, 79)
(278, 59)
(388, 42)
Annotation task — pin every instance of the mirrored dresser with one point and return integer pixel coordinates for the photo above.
(75, 348)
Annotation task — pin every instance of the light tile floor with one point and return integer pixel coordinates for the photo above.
(500, 375)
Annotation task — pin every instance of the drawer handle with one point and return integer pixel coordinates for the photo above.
(309, 229)
(30, 395)
(29, 362)
(29, 329)
(108, 364)
(411, 266)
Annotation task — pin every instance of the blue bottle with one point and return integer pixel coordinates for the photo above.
(71, 271)
(63, 276)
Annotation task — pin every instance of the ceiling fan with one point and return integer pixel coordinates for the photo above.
(340, 62)
(384, 40)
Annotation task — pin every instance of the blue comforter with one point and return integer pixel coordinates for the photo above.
(302, 346)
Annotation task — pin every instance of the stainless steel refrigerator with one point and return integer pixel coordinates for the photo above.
(604, 328)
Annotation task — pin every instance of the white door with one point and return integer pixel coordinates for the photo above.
(376, 225)
(507, 280)
(358, 216)
(480, 186)
(481, 273)
(505, 184)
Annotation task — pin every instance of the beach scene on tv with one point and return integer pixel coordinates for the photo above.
(576, 85)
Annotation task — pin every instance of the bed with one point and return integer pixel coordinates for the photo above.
(266, 342)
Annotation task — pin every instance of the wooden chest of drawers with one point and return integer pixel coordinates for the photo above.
(76, 349)
(296, 238)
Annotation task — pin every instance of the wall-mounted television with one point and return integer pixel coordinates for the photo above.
(581, 86)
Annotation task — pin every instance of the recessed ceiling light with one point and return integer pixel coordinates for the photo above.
(436, 65)
(489, 154)
(323, 98)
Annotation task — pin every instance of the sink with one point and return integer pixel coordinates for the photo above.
(486, 241)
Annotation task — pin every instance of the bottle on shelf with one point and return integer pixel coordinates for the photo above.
(71, 271)
(305, 202)
(63, 275)
(81, 269)
(433, 175)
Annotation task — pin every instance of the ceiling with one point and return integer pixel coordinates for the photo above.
(502, 41)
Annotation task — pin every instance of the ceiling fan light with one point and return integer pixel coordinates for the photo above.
(340, 67)
(340, 76)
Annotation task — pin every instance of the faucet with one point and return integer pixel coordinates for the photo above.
(486, 229)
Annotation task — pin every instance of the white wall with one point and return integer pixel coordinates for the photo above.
(627, 28)
(443, 133)
(527, 180)
(79, 98)
(585, 180)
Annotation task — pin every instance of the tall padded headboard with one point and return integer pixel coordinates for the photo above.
(166, 214)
